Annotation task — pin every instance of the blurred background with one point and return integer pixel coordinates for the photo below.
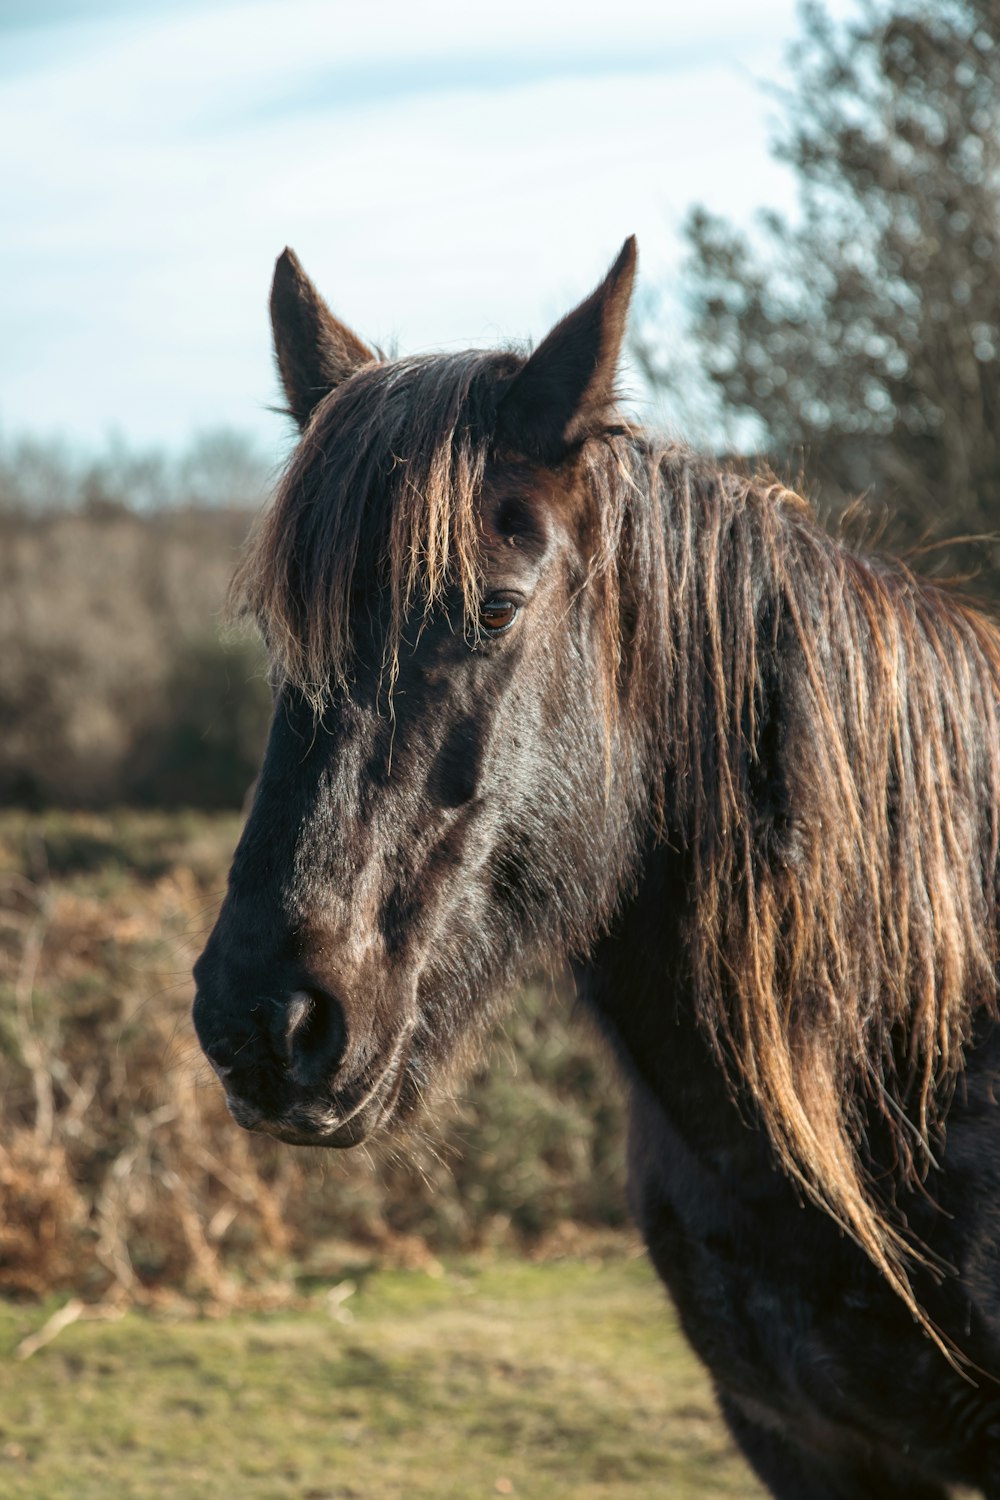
(816, 192)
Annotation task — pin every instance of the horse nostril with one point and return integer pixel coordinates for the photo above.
(315, 1035)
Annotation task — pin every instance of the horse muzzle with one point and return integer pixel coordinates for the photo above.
(340, 1119)
(301, 1064)
(264, 1096)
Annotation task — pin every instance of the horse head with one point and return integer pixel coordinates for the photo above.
(446, 797)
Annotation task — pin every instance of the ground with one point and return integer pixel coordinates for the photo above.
(565, 1380)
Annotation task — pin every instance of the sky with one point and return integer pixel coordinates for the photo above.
(450, 176)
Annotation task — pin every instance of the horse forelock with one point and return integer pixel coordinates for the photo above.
(381, 494)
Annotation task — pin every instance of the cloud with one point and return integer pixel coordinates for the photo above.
(449, 175)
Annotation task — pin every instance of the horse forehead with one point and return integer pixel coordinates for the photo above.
(525, 509)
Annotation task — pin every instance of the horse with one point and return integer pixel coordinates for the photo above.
(553, 691)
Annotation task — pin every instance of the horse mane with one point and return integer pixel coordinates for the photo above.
(828, 727)
(821, 729)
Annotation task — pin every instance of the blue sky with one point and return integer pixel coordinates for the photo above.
(450, 175)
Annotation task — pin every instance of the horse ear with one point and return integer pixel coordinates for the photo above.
(569, 381)
(314, 350)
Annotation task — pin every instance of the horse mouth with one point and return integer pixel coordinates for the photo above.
(322, 1122)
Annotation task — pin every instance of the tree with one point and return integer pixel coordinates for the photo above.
(864, 338)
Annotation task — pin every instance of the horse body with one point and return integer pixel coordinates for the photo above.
(827, 1383)
(548, 690)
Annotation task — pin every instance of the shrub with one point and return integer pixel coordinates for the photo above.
(120, 1168)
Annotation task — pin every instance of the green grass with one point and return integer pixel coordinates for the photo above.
(565, 1379)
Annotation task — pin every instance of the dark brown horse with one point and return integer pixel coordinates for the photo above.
(549, 689)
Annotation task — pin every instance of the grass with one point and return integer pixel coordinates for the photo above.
(555, 1380)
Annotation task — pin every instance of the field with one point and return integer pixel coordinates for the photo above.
(465, 1313)
(560, 1381)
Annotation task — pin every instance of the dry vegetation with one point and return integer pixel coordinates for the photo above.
(114, 685)
(121, 1173)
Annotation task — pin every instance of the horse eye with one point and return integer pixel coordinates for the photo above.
(496, 616)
